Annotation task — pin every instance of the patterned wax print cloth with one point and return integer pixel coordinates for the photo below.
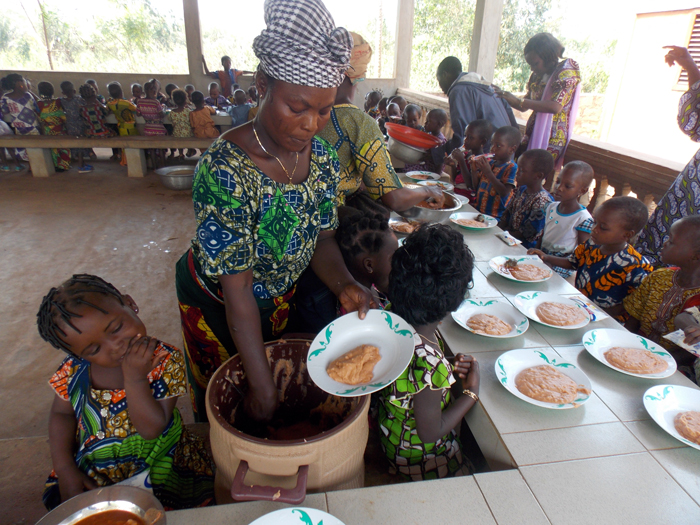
(152, 112)
(24, 117)
(560, 236)
(488, 200)
(360, 147)
(202, 123)
(657, 301)
(94, 118)
(110, 450)
(563, 90)
(247, 221)
(607, 279)
(525, 215)
(181, 123)
(53, 119)
(74, 122)
(124, 111)
(406, 453)
(683, 197)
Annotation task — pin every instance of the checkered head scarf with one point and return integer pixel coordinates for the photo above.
(301, 44)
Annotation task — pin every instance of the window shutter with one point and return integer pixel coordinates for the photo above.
(693, 48)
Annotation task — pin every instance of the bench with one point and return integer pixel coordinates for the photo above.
(39, 148)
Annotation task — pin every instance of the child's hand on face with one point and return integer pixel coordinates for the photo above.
(467, 369)
(481, 164)
(139, 359)
(72, 481)
(692, 334)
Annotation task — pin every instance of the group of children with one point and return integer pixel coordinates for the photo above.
(82, 112)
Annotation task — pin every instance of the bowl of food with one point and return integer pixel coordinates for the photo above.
(116, 504)
(428, 211)
(411, 137)
(176, 177)
(404, 152)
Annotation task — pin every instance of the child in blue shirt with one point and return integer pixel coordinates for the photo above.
(239, 111)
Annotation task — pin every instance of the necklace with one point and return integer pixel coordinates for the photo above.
(290, 177)
(430, 340)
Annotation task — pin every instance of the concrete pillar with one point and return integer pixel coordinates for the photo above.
(404, 43)
(41, 162)
(193, 40)
(487, 28)
(135, 162)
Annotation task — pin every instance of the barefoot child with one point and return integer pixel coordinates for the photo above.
(96, 439)
(525, 215)
(567, 222)
(608, 268)
(430, 274)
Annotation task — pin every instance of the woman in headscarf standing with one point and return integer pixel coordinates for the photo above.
(265, 200)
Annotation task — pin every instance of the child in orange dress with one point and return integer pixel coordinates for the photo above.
(200, 118)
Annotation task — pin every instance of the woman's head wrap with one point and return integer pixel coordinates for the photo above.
(359, 59)
(301, 44)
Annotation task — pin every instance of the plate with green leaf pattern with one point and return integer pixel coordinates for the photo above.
(497, 265)
(297, 516)
(511, 363)
(665, 402)
(527, 303)
(501, 309)
(393, 336)
(599, 341)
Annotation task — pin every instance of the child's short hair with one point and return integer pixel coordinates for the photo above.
(115, 90)
(581, 170)
(361, 232)
(91, 82)
(692, 223)
(65, 85)
(8, 82)
(169, 88)
(45, 89)
(430, 274)
(511, 134)
(179, 97)
(225, 57)
(634, 213)
(238, 93)
(383, 103)
(87, 91)
(410, 108)
(57, 304)
(189, 87)
(197, 97)
(439, 115)
(400, 101)
(136, 84)
(213, 85)
(482, 128)
(542, 161)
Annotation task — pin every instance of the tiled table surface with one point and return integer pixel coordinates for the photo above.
(603, 462)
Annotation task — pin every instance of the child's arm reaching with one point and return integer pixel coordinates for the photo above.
(62, 426)
(552, 260)
(149, 416)
(686, 322)
(482, 165)
(431, 422)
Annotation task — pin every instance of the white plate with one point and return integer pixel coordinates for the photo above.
(500, 260)
(599, 341)
(490, 221)
(297, 516)
(446, 186)
(510, 364)
(385, 330)
(527, 303)
(424, 175)
(400, 220)
(664, 402)
(501, 309)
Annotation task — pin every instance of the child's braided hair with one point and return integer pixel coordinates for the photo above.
(56, 306)
(361, 232)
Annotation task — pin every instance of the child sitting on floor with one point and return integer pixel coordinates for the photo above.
(96, 439)
(53, 120)
(216, 99)
(180, 117)
(430, 275)
(412, 116)
(608, 268)
(239, 111)
(524, 217)
(200, 118)
(660, 304)
(434, 159)
(567, 222)
(476, 136)
(93, 114)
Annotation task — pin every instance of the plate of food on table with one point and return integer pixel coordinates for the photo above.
(552, 310)
(542, 378)
(473, 221)
(420, 176)
(523, 268)
(297, 516)
(629, 353)
(403, 226)
(676, 409)
(352, 357)
(445, 186)
(491, 318)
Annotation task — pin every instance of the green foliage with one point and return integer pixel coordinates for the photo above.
(595, 59)
(371, 34)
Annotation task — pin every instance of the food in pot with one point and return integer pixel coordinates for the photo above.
(635, 360)
(559, 314)
(356, 366)
(112, 517)
(688, 425)
(488, 324)
(546, 383)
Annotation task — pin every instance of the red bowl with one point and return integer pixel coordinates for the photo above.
(412, 137)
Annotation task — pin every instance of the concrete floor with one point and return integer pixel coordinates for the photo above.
(128, 231)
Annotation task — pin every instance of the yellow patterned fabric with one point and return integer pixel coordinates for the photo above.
(361, 151)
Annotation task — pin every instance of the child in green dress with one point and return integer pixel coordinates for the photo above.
(95, 438)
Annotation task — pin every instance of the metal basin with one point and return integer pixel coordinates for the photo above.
(176, 177)
(405, 152)
(416, 213)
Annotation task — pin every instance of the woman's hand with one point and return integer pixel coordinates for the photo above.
(72, 481)
(138, 361)
(512, 100)
(356, 298)
(467, 369)
(435, 193)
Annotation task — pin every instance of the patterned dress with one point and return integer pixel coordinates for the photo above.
(124, 112)
(488, 200)
(412, 458)
(24, 114)
(109, 449)
(525, 215)
(74, 122)
(683, 197)
(361, 151)
(247, 221)
(94, 118)
(151, 111)
(607, 279)
(53, 119)
(567, 79)
(657, 301)
(202, 123)
(181, 123)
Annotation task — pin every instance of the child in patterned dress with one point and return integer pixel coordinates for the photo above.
(608, 268)
(93, 114)
(524, 216)
(200, 118)
(19, 104)
(180, 117)
(75, 127)
(53, 119)
(430, 275)
(96, 438)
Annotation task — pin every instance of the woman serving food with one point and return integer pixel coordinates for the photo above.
(265, 200)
